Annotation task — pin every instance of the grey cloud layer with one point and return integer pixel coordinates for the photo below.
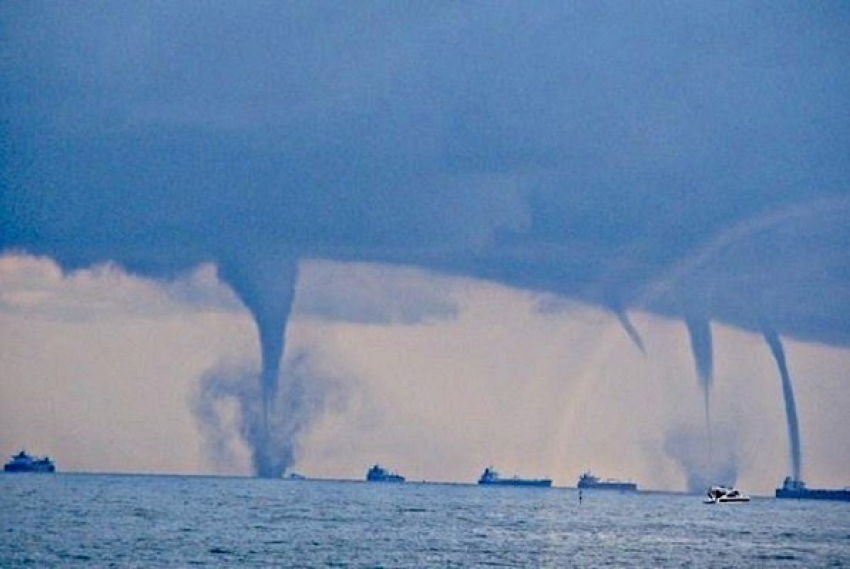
(579, 149)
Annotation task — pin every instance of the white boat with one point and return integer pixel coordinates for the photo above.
(723, 494)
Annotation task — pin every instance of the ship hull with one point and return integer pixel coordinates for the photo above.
(620, 486)
(388, 478)
(28, 468)
(740, 500)
(517, 482)
(814, 494)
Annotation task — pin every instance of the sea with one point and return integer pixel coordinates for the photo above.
(98, 520)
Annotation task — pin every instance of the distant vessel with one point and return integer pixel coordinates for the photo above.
(723, 494)
(378, 474)
(23, 462)
(491, 477)
(797, 489)
(588, 481)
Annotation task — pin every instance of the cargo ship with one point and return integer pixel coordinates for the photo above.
(491, 477)
(588, 481)
(797, 489)
(378, 474)
(23, 462)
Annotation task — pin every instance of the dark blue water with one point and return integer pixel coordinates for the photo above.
(148, 521)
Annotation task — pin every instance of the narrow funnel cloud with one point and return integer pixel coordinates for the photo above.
(630, 329)
(267, 287)
(699, 331)
(771, 336)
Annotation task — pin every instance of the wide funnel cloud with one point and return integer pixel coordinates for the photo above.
(626, 157)
(267, 287)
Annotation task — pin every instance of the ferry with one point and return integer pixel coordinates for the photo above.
(378, 474)
(491, 478)
(724, 494)
(23, 462)
(588, 481)
(797, 489)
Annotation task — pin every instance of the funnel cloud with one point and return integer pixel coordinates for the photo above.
(267, 288)
(778, 352)
(699, 332)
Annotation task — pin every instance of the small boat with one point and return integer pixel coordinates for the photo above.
(378, 474)
(23, 462)
(723, 494)
(588, 481)
(492, 478)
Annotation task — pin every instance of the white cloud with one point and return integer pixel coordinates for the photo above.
(36, 286)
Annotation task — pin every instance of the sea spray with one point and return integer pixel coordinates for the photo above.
(228, 405)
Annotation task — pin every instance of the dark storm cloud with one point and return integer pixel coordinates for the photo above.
(363, 293)
(593, 150)
(581, 149)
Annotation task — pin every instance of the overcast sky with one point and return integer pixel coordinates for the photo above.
(637, 166)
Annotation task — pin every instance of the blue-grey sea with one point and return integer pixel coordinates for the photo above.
(67, 520)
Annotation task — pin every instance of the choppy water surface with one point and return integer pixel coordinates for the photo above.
(67, 520)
